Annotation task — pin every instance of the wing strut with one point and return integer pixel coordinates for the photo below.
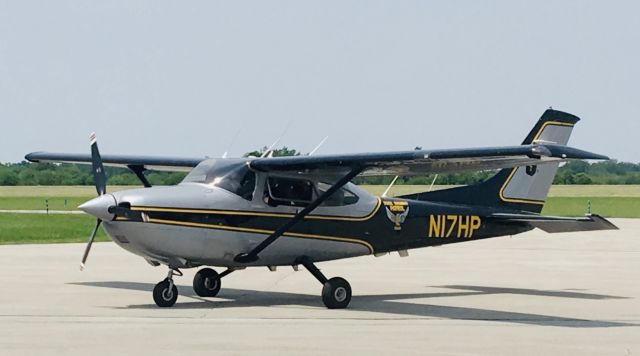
(139, 172)
(253, 255)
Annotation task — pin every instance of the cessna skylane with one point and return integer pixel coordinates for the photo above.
(290, 211)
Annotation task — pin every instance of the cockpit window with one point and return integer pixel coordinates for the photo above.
(235, 177)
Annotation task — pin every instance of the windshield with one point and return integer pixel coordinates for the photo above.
(233, 176)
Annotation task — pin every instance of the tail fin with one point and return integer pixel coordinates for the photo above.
(520, 188)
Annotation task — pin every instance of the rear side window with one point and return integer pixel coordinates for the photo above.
(340, 197)
(300, 192)
(288, 191)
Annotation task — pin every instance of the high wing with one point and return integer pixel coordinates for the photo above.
(420, 162)
(173, 164)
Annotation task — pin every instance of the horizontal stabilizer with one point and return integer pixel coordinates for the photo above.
(553, 224)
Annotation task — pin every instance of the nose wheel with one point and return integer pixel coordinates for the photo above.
(165, 293)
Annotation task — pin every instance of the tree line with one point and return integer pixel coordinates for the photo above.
(574, 172)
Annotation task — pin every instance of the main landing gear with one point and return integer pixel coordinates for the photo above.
(336, 292)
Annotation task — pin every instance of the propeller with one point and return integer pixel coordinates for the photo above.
(100, 181)
(89, 243)
(99, 177)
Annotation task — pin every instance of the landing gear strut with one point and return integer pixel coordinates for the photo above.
(165, 292)
(336, 292)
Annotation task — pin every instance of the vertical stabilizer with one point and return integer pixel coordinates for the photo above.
(520, 188)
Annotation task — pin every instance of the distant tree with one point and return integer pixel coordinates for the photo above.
(581, 178)
(8, 177)
(278, 152)
(574, 172)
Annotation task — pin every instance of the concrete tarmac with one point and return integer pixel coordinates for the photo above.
(534, 294)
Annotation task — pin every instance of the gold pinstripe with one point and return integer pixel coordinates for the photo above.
(262, 231)
(257, 213)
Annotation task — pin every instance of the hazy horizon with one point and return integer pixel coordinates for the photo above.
(182, 79)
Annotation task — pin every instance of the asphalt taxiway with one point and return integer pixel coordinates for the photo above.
(533, 294)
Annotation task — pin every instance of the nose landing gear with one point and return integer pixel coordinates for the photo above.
(165, 293)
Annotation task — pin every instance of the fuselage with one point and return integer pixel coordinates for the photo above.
(199, 223)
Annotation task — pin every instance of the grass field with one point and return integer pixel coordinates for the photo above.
(36, 197)
(41, 228)
(607, 200)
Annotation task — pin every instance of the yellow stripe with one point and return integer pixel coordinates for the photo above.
(513, 170)
(262, 231)
(256, 213)
(554, 123)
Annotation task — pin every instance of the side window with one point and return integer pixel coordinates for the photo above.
(288, 191)
(340, 197)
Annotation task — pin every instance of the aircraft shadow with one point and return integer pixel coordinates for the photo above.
(384, 303)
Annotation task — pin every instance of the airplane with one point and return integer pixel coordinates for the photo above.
(300, 210)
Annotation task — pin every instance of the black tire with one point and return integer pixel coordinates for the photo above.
(163, 296)
(207, 283)
(336, 293)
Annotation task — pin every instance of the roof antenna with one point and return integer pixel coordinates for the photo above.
(318, 146)
(268, 152)
(433, 182)
(233, 140)
(384, 195)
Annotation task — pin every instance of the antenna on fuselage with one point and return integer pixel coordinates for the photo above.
(318, 146)
(268, 152)
(433, 182)
(384, 195)
(233, 140)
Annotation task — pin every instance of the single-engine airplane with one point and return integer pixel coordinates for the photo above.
(290, 211)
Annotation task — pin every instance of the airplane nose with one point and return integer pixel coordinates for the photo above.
(99, 207)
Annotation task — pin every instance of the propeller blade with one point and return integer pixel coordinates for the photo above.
(89, 243)
(99, 177)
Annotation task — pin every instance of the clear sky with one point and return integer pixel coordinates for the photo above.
(181, 78)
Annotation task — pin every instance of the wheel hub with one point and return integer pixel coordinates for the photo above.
(210, 283)
(340, 294)
(167, 294)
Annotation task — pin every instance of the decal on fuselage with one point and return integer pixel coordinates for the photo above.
(450, 225)
(397, 212)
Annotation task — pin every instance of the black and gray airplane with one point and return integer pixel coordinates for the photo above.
(291, 211)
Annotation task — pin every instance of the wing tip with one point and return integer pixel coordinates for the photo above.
(31, 157)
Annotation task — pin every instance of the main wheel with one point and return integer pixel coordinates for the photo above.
(165, 296)
(207, 283)
(336, 293)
